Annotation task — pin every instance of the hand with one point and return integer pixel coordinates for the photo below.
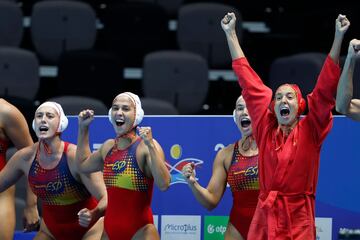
(146, 134)
(85, 117)
(228, 22)
(189, 173)
(354, 48)
(342, 24)
(31, 220)
(85, 217)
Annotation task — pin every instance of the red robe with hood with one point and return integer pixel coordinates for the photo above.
(288, 167)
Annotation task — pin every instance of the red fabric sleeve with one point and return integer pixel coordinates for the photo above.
(256, 95)
(321, 101)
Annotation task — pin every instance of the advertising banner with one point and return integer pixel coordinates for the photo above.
(197, 139)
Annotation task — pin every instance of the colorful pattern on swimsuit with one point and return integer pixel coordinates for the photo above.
(122, 170)
(244, 183)
(243, 172)
(56, 186)
(129, 194)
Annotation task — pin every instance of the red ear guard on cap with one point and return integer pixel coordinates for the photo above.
(302, 106)
(301, 100)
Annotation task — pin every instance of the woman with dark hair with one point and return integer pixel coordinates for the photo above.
(237, 165)
(69, 210)
(289, 147)
(131, 164)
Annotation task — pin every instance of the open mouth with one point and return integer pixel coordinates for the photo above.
(119, 122)
(43, 129)
(284, 111)
(245, 122)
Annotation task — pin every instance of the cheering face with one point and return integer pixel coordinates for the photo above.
(243, 120)
(286, 105)
(122, 114)
(46, 122)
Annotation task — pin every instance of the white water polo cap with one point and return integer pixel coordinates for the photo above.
(139, 112)
(63, 123)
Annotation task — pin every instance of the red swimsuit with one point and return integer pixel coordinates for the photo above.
(62, 198)
(129, 194)
(244, 183)
(3, 148)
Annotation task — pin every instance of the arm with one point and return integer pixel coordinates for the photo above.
(344, 102)
(257, 96)
(210, 196)
(86, 161)
(12, 171)
(321, 100)
(15, 127)
(17, 130)
(94, 182)
(155, 159)
(31, 219)
(342, 24)
(228, 25)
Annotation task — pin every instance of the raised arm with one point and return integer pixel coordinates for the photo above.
(345, 103)
(155, 159)
(321, 100)
(210, 196)
(228, 25)
(256, 94)
(86, 161)
(342, 24)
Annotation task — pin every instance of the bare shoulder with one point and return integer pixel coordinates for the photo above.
(106, 146)
(9, 113)
(7, 109)
(228, 150)
(71, 150)
(72, 146)
(224, 156)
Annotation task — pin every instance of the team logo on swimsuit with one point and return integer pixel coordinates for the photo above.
(55, 187)
(176, 169)
(119, 166)
(250, 171)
